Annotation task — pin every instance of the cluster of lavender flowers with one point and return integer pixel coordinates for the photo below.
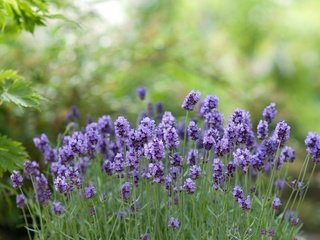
(153, 152)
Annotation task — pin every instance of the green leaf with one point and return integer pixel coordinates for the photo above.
(12, 155)
(13, 88)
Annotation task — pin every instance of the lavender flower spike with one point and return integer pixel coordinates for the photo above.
(189, 185)
(142, 92)
(191, 100)
(57, 208)
(89, 191)
(270, 112)
(21, 201)
(16, 179)
(276, 203)
(313, 146)
(174, 223)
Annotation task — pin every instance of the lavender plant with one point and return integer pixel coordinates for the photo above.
(208, 180)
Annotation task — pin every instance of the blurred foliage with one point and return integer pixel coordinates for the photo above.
(248, 53)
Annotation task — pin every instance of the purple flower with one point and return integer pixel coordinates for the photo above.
(262, 129)
(122, 128)
(209, 103)
(189, 186)
(118, 163)
(171, 138)
(154, 150)
(73, 114)
(31, 169)
(60, 184)
(16, 179)
(282, 132)
(150, 109)
(242, 158)
(217, 173)
(223, 147)
(287, 154)
(295, 221)
(159, 110)
(42, 143)
(191, 100)
(276, 203)
(174, 223)
(89, 191)
(313, 146)
(176, 160)
(142, 92)
(43, 192)
(210, 138)
(279, 184)
(144, 236)
(168, 120)
(270, 112)
(57, 208)
(193, 131)
(105, 124)
(213, 119)
(156, 170)
(194, 172)
(126, 190)
(231, 168)
(245, 204)
(192, 157)
(21, 201)
(237, 193)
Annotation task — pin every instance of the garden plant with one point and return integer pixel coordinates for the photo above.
(205, 177)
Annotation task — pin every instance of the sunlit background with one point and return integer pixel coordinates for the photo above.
(249, 53)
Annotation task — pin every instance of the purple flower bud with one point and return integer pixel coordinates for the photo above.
(313, 146)
(156, 170)
(122, 128)
(192, 157)
(262, 129)
(209, 103)
(237, 193)
(154, 150)
(171, 138)
(126, 190)
(60, 184)
(217, 173)
(295, 221)
(287, 154)
(282, 132)
(276, 203)
(174, 223)
(176, 160)
(142, 92)
(194, 172)
(189, 186)
(89, 191)
(270, 112)
(118, 163)
(105, 124)
(213, 119)
(31, 169)
(43, 192)
(57, 208)
(145, 236)
(193, 131)
(73, 114)
(150, 110)
(21, 201)
(159, 110)
(245, 204)
(191, 100)
(279, 184)
(242, 158)
(16, 179)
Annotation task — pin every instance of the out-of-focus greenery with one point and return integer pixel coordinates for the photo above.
(248, 52)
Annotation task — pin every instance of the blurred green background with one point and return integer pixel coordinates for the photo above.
(248, 53)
